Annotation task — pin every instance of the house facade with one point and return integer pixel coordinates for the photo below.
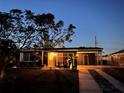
(116, 58)
(55, 57)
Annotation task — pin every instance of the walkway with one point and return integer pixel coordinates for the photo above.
(86, 83)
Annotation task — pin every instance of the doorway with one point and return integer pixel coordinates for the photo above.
(52, 59)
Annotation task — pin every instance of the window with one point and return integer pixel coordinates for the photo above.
(28, 57)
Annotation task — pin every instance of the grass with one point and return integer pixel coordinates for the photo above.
(104, 84)
(117, 73)
(40, 81)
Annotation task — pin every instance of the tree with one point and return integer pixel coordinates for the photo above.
(27, 29)
(8, 52)
(5, 25)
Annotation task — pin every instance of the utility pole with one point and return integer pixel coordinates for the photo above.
(96, 42)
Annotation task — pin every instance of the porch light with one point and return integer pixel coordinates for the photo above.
(77, 55)
(52, 55)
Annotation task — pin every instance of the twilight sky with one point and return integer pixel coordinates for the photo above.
(101, 18)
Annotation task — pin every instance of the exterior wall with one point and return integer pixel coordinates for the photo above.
(92, 59)
(115, 59)
(80, 59)
(118, 58)
(86, 59)
(121, 59)
(60, 58)
(52, 58)
(21, 57)
(29, 58)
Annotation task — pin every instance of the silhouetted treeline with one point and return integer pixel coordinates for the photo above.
(28, 29)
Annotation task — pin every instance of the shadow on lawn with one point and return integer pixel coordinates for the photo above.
(117, 73)
(40, 81)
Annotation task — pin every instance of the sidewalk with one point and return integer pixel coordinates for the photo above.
(87, 84)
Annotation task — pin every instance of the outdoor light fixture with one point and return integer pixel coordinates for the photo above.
(52, 55)
(77, 55)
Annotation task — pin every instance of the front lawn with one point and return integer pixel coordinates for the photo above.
(117, 73)
(40, 81)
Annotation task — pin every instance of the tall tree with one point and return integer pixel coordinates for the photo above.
(8, 51)
(5, 25)
(27, 29)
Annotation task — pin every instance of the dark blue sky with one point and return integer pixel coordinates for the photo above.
(101, 18)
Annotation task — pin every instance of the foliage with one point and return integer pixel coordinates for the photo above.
(8, 51)
(9, 54)
(27, 29)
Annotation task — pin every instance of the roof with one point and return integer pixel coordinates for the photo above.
(65, 49)
(120, 51)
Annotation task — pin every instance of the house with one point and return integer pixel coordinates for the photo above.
(116, 58)
(53, 57)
